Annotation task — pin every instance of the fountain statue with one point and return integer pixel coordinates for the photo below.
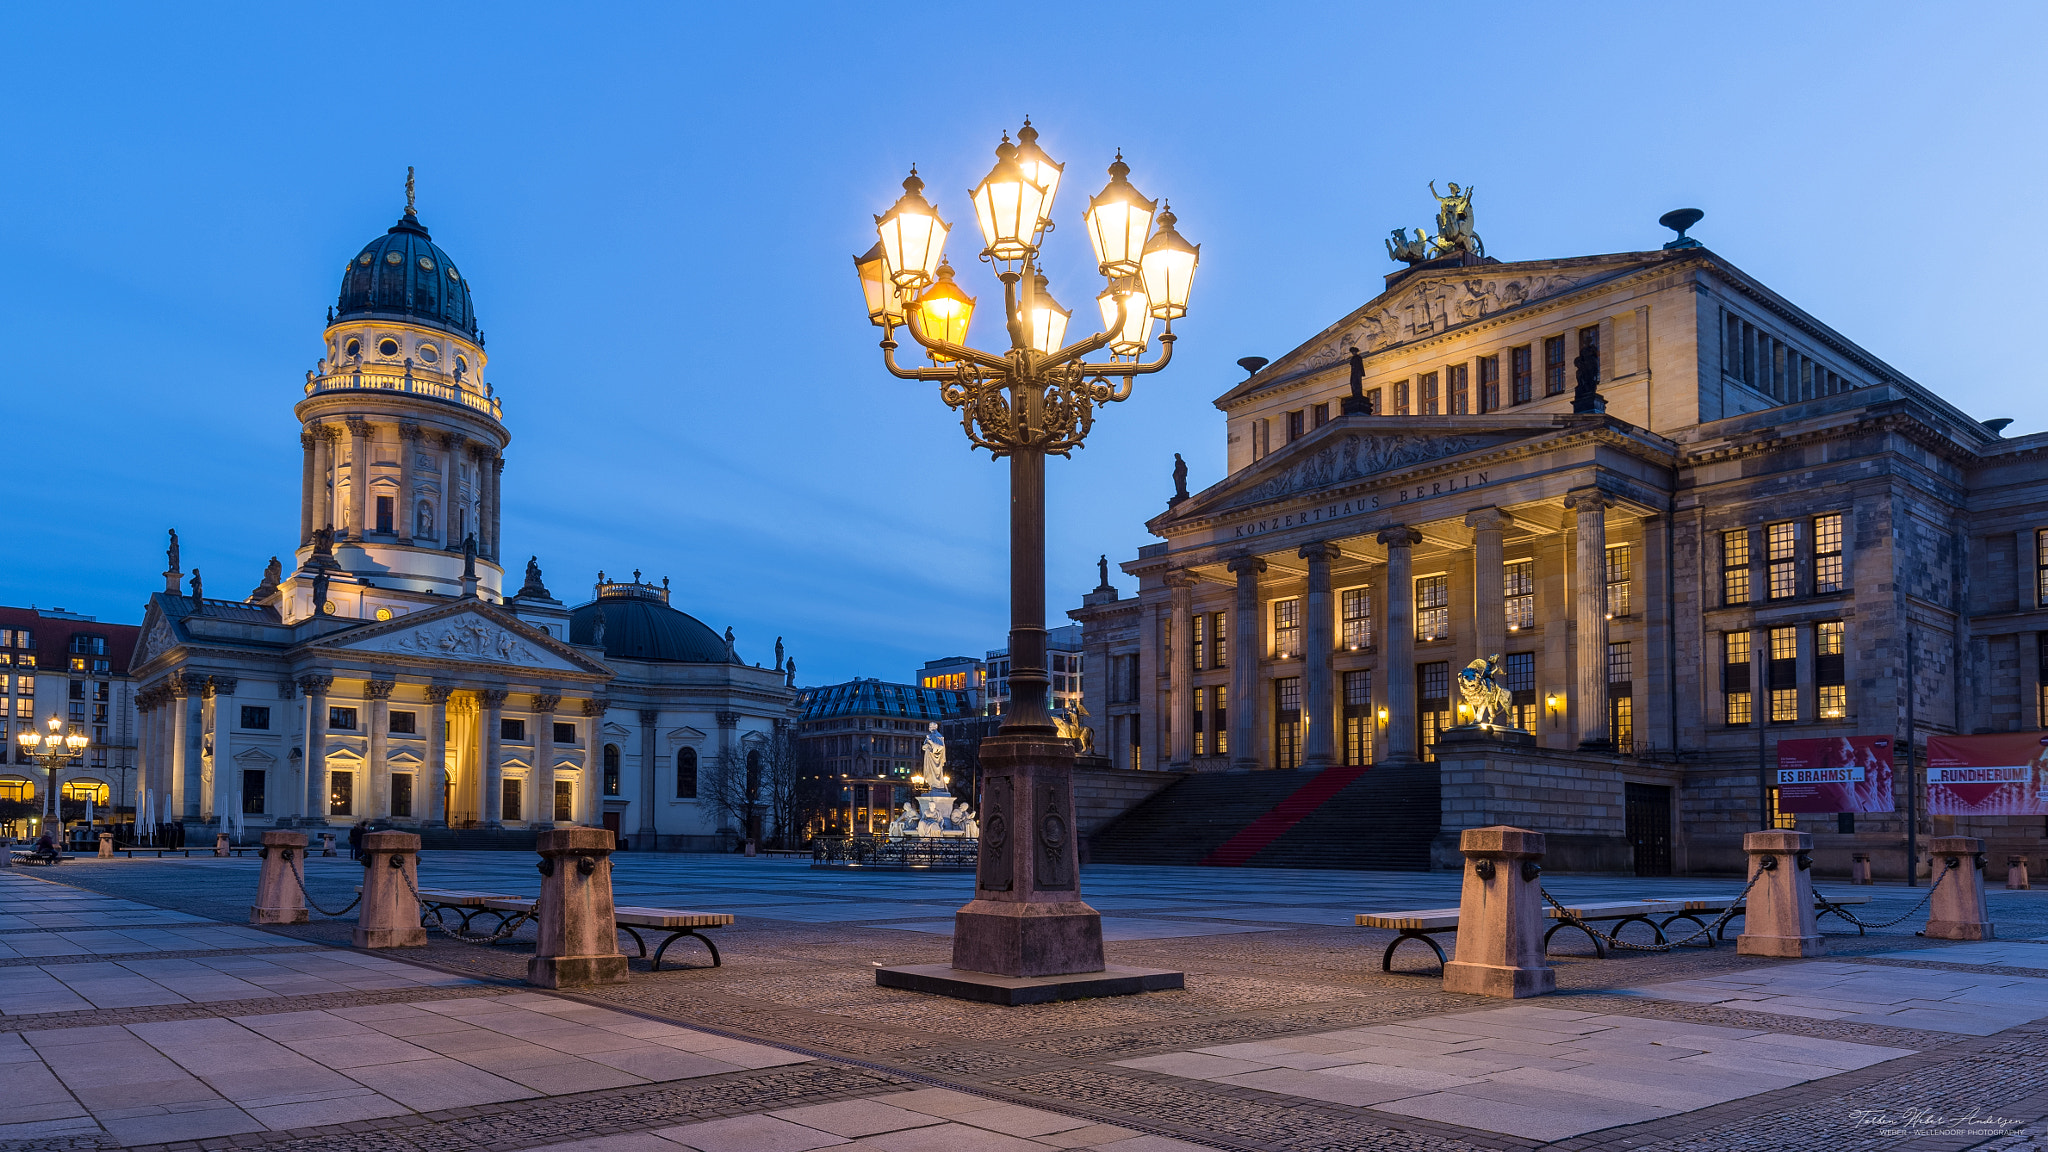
(937, 813)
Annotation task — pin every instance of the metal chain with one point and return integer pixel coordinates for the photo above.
(505, 928)
(292, 866)
(1734, 909)
(1845, 914)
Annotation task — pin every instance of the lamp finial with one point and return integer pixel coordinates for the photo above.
(409, 192)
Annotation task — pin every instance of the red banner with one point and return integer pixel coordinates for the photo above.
(2003, 774)
(1839, 774)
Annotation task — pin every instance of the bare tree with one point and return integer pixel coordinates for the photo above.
(723, 786)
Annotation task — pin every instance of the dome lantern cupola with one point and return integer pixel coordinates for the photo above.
(404, 275)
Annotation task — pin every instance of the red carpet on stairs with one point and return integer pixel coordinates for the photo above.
(1286, 814)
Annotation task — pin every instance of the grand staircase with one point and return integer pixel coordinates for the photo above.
(1344, 817)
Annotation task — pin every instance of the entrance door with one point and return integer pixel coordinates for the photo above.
(1649, 828)
(611, 825)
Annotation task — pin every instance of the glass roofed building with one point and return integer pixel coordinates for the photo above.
(866, 734)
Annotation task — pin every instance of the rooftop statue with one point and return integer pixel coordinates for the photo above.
(1180, 480)
(1408, 251)
(1454, 234)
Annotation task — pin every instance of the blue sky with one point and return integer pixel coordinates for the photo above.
(656, 206)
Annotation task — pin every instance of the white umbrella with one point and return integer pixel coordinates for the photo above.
(88, 811)
(143, 817)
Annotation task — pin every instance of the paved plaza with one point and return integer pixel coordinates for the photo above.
(139, 1010)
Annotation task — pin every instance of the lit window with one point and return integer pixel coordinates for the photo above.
(1782, 545)
(1286, 628)
(1458, 381)
(1518, 593)
(1783, 673)
(1829, 674)
(1428, 388)
(1218, 638)
(1621, 720)
(1827, 553)
(1523, 383)
(1358, 718)
(1201, 702)
(1433, 704)
(1774, 817)
(1432, 607)
(1199, 628)
(1619, 664)
(1521, 686)
(1618, 570)
(1735, 677)
(1735, 566)
(1357, 618)
(2041, 567)
(1553, 366)
(1287, 722)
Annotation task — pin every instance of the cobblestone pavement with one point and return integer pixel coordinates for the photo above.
(1288, 1036)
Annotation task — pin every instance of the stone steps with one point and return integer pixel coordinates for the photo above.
(1184, 823)
(1382, 818)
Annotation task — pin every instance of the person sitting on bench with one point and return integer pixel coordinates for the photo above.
(46, 848)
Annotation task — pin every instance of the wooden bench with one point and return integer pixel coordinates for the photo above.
(1621, 913)
(470, 905)
(32, 858)
(676, 923)
(1693, 906)
(1417, 925)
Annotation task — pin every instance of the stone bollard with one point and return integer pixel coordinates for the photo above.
(279, 899)
(390, 914)
(1859, 868)
(1500, 916)
(1956, 911)
(327, 843)
(579, 940)
(106, 845)
(220, 844)
(2016, 873)
(1779, 919)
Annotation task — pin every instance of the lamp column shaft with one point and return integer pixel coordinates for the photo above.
(1028, 678)
(1591, 602)
(1397, 665)
(1318, 740)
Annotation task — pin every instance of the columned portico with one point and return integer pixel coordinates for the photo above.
(1489, 614)
(1182, 681)
(543, 773)
(378, 694)
(1590, 605)
(1245, 653)
(493, 775)
(437, 755)
(1319, 749)
(315, 689)
(1397, 663)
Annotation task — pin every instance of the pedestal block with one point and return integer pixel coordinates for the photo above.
(1956, 911)
(1779, 920)
(2016, 873)
(106, 845)
(579, 939)
(390, 914)
(220, 844)
(278, 897)
(1500, 916)
(1027, 923)
(1859, 868)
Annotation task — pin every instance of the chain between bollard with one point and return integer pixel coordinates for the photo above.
(1734, 909)
(505, 928)
(1845, 914)
(291, 865)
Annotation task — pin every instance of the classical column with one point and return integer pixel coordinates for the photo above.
(543, 773)
(220, 791)
(358, 476)
(1397, 645)
(1181, 688)
(316, 689)
(1590, 599)
(408, 447)
(495, 467)
(455, 446)
(492, 740)
(277, 802)
(377, 694)
(591, 810)
(320, 507)
(1244, 663)
(436, 799)
(181, 739)
(1319, 706)
(1489, 608)
(307, 476)
(649, 720)
(144, 705)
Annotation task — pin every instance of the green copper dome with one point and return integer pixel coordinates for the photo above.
(404, 275)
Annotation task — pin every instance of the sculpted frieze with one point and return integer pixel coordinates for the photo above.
(1357, 456)
(1433, 308)
(468, 638)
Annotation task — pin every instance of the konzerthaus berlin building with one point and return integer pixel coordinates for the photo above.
(1733, 548)
(391, 672)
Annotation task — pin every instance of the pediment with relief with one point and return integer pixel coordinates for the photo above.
(1355, 457)
(469, 637)
(1428, 309)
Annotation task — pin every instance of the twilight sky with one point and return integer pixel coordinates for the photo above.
(656, 206)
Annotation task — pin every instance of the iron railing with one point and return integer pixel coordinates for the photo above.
(861, 852)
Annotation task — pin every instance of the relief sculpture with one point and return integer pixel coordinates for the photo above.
(1428, 309)
(997, 872)
(470, 639)
(1355, 457)
(1054, 849)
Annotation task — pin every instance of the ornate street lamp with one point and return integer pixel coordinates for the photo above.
(1035, 398)
(52, 751)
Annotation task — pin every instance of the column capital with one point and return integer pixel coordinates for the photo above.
(649, 717)
(439, 693)
(357, 426)
(379, 689)
(494, 697)
(596, 706)
(287, 690)
(1488, 519)
(221, 685)
(307, 439)
(728, 719)
(545, 705)
(1246, 563)
(1399, 536)
(408, 431)
(1178, 580)
(1321, 552)
(315, 685)
(1590, 500)
(331, 431)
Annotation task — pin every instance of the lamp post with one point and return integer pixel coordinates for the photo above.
(1034, 399)
(51, 750)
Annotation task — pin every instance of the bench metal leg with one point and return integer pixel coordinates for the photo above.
(1387, 957)
(1599, 949)
(1684, 916)
(1827, 908)
(716, 960)
(628, 930)
(1643, 919)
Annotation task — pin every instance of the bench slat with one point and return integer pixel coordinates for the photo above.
(670, 918)
(1419, 920)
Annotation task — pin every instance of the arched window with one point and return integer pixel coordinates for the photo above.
(686, 773)
(611, 769)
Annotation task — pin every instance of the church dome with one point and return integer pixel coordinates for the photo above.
(404, 274)
(639, 625)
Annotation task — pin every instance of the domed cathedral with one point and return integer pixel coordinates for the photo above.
(388, 676)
